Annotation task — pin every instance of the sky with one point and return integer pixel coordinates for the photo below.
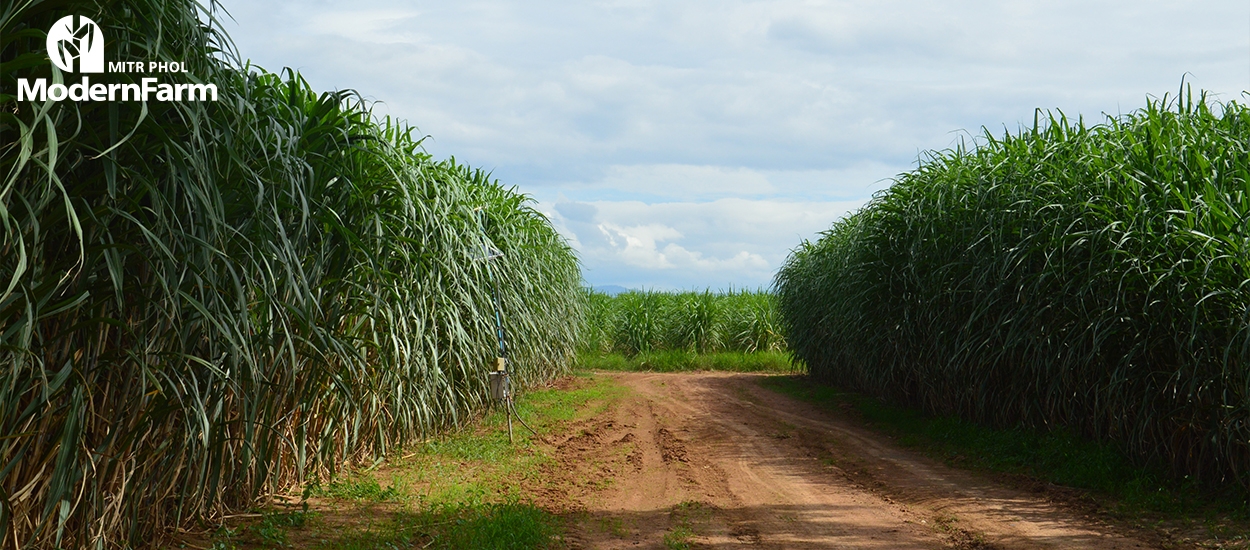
(693, 144)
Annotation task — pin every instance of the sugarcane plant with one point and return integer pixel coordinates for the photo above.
(702, 322)
(1094, 278)
(202, 303)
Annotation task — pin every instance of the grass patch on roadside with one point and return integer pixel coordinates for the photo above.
(510, 525)
(678, 538)
(686, 361)
(463, 490)
(361, 487)
(1057, 457)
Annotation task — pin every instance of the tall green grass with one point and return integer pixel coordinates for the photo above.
(203, 303)
(699, 322)
(1092, 277)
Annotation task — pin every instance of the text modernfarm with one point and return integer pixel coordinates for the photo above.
(40, 90)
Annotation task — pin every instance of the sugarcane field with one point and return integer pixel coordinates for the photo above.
(624, 274)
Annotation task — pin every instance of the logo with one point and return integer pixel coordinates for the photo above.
(76, 45)
(75, 38)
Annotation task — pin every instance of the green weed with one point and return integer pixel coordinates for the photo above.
(678, 538)
(364, 487)
(502, 526)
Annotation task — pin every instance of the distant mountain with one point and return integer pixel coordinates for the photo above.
(610, 290)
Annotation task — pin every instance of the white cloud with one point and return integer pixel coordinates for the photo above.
(718, 243)
(681, 181)
(636, 245)
(651, 183)
(386, 27)
(662, 114)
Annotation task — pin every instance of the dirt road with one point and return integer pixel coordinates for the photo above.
(715, 460)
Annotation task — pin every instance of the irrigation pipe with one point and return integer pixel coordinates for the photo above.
(512, 406)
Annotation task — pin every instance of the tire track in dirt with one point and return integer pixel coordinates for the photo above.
(716, 460)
